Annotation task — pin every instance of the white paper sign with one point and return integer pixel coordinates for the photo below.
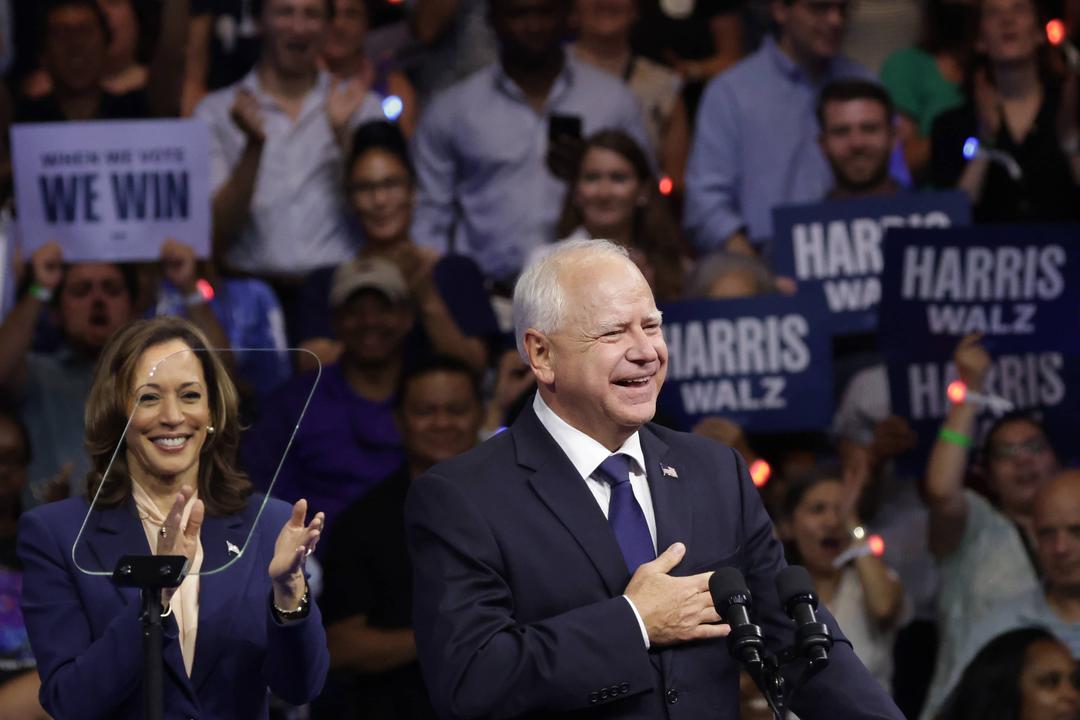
(112, 190)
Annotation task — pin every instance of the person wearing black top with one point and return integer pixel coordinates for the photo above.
(368, 592)
(74, 45)
(1018, 107)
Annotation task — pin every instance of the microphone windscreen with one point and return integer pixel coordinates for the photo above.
(725, 583)
(793, 581)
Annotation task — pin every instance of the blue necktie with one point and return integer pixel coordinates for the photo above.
(624, 513)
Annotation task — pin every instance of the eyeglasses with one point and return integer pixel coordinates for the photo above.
(1011, 451)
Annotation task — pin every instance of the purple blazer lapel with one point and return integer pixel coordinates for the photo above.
(220, 591)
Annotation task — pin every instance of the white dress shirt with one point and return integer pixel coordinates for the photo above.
(585, 455)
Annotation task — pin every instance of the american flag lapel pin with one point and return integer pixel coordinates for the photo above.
(669, 471)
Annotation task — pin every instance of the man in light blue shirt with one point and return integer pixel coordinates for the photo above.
(756, 138)
(482, 151)
(276, 149)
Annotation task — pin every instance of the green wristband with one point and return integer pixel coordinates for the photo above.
(41, 292)
(955, 438)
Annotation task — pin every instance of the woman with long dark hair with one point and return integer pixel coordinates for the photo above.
(173, 489)
(614, 196)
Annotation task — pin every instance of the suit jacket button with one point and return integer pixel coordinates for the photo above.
(593, 698)
(672, 696)
(604, 694)
(624, 688)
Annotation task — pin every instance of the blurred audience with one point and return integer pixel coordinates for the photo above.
(493, 152)
(456, 38)
(1023, 673)
(1014, 146)
(348, 440)
(277, 142)
(453, 310)
(223, 45)
(924, 79)
(604, 41)
(614, 196)
(1054, 606)
(984, 548)
(80, 45)
(368, 597)
(89, 301)
(726, 276)
(345, 57)
(819, 522)
(877, 28)
(857, 138)
(754, 145)
(19, 683)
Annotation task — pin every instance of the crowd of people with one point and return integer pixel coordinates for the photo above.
(380, 175)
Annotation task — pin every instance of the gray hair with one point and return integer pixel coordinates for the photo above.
(539, 301)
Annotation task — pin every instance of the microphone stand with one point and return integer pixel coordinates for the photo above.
(151, 574)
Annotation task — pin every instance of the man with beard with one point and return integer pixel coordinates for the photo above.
(90, 301)
(348, 441)
(857, 138)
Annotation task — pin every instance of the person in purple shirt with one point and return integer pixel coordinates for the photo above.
(755, 145)
(347, 441)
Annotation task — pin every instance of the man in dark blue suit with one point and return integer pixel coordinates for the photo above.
(538, 589)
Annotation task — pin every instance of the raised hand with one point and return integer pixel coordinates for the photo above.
(246, 114)
(178, 265)
(987, 106)
(344, 99)
(47, 265)
(674, 609)
(972, 361)
(294, 543)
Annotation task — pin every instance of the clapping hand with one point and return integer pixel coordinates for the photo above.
(178, 265)
(246, 114)
(294, 543)
(344, 99)
(174, 540)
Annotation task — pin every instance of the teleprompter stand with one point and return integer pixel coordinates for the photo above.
(151, 574)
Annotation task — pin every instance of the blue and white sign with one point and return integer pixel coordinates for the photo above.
(112, 191)
(764, 363)
(834, 248)
(1017, 285)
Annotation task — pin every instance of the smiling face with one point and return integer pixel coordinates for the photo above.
(607, 192)
(857, 139)
(811, 30)
(440, 417)
(602, 369)
(348, 29)
(381, 194)
(293, 34)
(170, 414)
(817, 528)
(1020, 461)
(1048, 683)
(372, 328)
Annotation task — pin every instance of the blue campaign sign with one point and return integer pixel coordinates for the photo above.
(115, 190)
(834, 248)
(1018, 285)
(765, 363)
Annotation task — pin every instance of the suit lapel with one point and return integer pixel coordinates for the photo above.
(672, 503)
(112, 533)
(673, 510)
(557, 483)
(218, 588)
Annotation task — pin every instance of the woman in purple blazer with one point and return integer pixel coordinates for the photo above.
(173, 489)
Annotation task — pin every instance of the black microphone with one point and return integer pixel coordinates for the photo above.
(812, 638)
(732, 600)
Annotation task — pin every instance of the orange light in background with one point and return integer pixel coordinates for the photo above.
(956, 391)
(1055, 31)
(760, 472)
(666, 185)
(876, 545)
(205, 289)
